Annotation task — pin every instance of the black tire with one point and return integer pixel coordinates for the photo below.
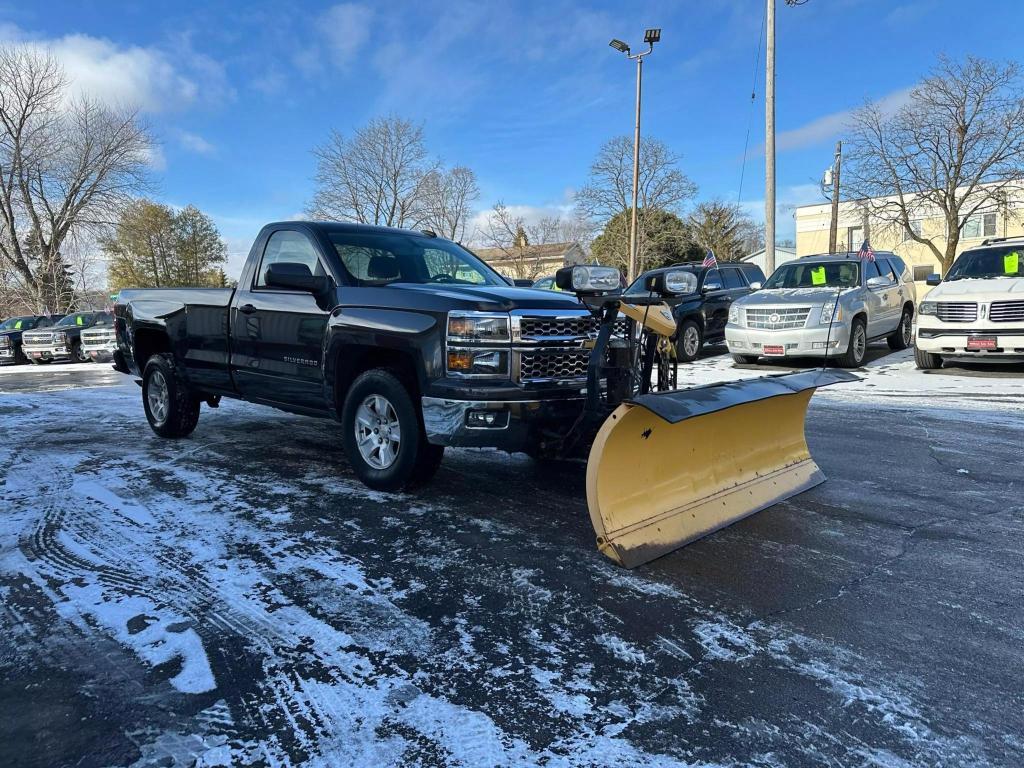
(414, 462)
(77, 355)
(687, 330)
(180, 412)
(903, 336)
(746, 359)
(857, 349)
(927, 361)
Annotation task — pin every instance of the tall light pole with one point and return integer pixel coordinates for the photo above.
(769, 141)
(651, 36)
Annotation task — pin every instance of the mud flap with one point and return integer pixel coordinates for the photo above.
(668, 468)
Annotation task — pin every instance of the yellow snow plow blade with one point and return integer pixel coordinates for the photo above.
(671, 467)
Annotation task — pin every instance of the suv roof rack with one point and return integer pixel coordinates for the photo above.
(993, 240)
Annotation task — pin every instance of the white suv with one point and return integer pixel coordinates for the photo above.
(977, 310)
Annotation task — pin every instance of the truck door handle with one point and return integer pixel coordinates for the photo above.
(247, 309)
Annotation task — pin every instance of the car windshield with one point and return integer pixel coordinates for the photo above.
(379, 259)
(637, 288)
(17, 324)
(80, 319)
(816, 274)
(991, 262)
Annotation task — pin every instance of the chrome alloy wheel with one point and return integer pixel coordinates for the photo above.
(860, 342)
(907, 331)
(158, 396)
(691, 341)
(378, 434)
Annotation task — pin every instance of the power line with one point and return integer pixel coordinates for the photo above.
(750, 113)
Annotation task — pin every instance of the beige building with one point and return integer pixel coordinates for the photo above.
(532, 261)
(1002, 219)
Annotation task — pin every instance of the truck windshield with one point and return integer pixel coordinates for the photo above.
(820, 274)
(378, 259)
(991, 262)
(18, 324)
(80, 319)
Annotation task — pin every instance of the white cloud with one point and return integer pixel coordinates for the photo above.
(147, 78)
(530, 214)
(346, 27)
(832, 126)
(154, 157)
(193, 142)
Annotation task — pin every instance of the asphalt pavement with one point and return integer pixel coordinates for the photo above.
(238, 598)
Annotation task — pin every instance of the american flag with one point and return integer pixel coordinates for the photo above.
(710, 261)
(866, 252)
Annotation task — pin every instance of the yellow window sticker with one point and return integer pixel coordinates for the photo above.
(1011, 263)
(78, 320)
(17, 326)
(817, 275)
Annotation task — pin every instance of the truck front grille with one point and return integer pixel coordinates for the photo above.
(777, 319)
(553, 365)
(585, 326)
(957, 311)
(37, 338)
(98, 338)
(1007, 311)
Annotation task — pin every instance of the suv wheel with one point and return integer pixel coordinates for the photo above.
(858, 346)
(691, 339)
(77, 355)
(745, 359)
(171, 409)
(382, 434)
(926, 361)
(903, 336)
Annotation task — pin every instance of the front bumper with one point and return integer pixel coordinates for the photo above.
(7, 354)
(795, 342)
(48, 352)
(99, 353)
(948, 339)
(517, 425)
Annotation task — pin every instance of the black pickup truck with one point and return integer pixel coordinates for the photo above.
(407, 339)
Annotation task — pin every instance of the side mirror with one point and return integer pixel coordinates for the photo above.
(677, 282)
(588, 279)
(295, 276)
(755, 286)
(878, 282)
(711, 285)
(933, 279)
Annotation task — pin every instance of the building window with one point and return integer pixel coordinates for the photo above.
(921, 272)
(916, 226)
(855, 238)
(978, 226)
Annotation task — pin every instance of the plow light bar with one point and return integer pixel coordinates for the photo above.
(587, 279)
(677, 282)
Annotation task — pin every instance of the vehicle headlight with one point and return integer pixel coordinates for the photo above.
(478, 362)
(831, 313)
(60, 338)
(735, 315)
(478, 327)
(927, 307)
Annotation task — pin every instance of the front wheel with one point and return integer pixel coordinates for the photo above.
(382, 434)
(691, 339)
(77, 355)
(858, 346)
(745, 359)
(903, 336)
(171, 409)
(926, 361)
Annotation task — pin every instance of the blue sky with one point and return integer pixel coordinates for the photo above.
(524, 93)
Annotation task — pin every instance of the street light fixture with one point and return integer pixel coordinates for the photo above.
(651, 36)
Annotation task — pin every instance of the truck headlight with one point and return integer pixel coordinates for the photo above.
(60, 338)
(734, 315)
(831, 313)
(478, 327)
(927, 307)
(478, 362)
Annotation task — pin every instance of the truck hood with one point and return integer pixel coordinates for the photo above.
(495, 297)
(974, 289)
(775, 296)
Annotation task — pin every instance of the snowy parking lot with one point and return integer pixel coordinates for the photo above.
(238, 598)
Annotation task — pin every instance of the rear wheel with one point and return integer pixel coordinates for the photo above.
(903, 336)
(382, 434)
(691, 339)
(926, 361)
(745, 359)
(858, 346)
(171, 408)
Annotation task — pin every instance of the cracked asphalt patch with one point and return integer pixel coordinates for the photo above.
(237, 598)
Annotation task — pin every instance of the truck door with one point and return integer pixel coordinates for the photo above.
(277, 334)
(716, 304)
(880, 299)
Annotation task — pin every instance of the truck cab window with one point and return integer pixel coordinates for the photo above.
(733, 278)
(290, 247)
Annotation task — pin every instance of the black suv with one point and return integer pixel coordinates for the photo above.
(10, 334)
(701, 314)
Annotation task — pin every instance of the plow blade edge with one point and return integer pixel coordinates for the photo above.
(669, 468)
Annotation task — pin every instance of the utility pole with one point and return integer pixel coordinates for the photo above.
(833, 230)
(769, 142)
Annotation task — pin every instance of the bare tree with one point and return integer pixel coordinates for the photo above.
(374, 177)
(506, 231)
(573, 227)
(955, 148)
(67, 165)
(608, 192)
(446, 200)
(723, 228)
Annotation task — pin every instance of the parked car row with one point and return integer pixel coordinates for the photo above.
(38, 339)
